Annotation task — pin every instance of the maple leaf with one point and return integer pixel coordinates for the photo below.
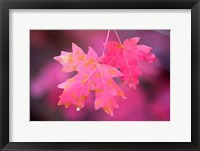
(91, 76)
(126, 56)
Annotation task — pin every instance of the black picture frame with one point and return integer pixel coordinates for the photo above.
(5, 5)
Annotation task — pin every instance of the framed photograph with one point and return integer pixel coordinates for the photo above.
(100, 75)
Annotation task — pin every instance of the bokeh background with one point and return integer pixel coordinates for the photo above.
(149, 102)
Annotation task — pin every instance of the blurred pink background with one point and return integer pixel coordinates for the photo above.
(149, 102)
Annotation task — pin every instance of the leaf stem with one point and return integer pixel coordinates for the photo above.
(118, 37)
(108, 33)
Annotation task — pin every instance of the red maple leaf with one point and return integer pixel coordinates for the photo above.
(91, 76)
(126, 57)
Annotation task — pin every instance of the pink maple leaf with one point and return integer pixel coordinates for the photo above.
(91, 76)
(126, 57)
